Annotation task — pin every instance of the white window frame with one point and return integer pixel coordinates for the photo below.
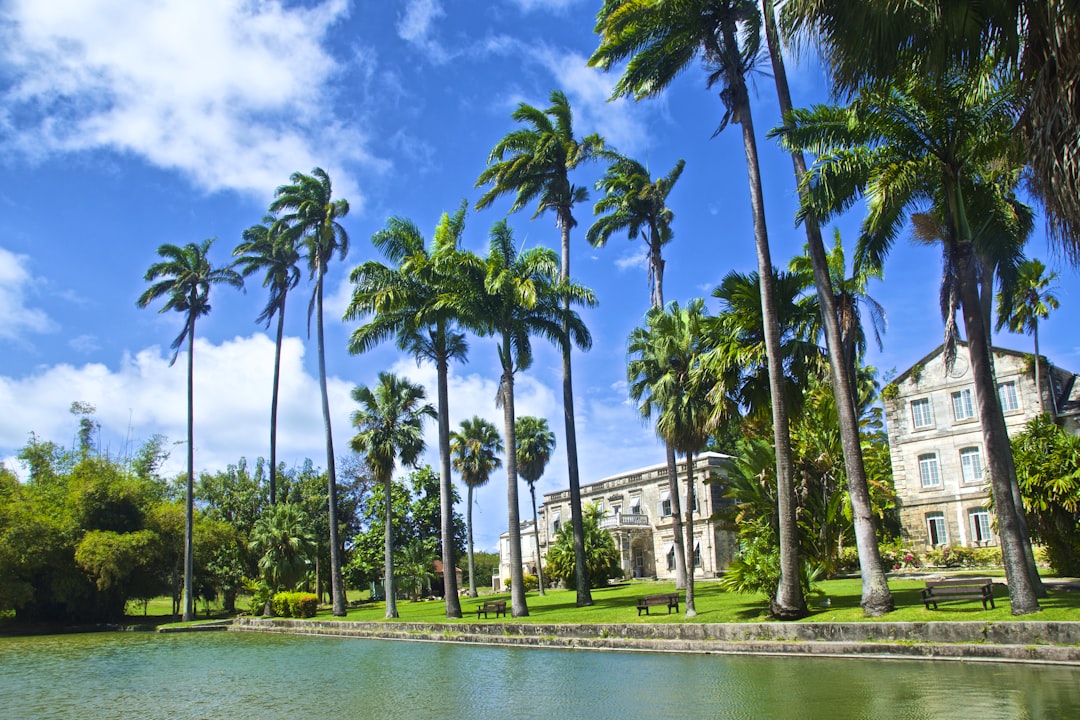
(697, 552)
(664, 506)
(669, 557)
(928, 461)
(936, 519)
(556, 517)
(916, 415)
(963, 405)
(1008, 396)
(971, 465)
(635, 505)
(982, 533)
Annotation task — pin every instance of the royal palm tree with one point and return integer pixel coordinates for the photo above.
(523, 298)
(184, 278)
(658, 39)
(310, 217)
(265, 248)
(390, 427)
(535, 443)
(940, 141)
(535, 163)
(1022, 306)
(285, 546)
(475, 450)
(415, 303)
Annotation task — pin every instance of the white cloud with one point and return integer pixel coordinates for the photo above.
(415, 28)
(639, 258)
(556, 6)
(230, 93)
(16, 318)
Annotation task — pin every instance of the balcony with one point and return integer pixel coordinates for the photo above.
(622, 521)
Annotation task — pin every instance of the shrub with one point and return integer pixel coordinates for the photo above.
(294, 604)
(895, 556)
(986, 557)
(531, 582)
(849, 559)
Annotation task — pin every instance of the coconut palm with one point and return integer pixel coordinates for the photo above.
(523, 298)
(265, 248)
(285, 546)
(409, 302)
(389, 427)
(657, 39)
(184, 278)
(535, 443)
(310, 217)
(535, 163)
(1022, 306)
(475, 450)
(940, 142)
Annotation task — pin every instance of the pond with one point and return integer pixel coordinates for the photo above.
(246, 675)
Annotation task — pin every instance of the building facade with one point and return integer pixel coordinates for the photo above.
(936, 443)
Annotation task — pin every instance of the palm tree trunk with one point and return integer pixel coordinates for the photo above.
(1022, 593)
(691, 610)
(189, 496)
(446, 495)
(274, 403)
(1038, 367)
(656, 262)
(536, 537)
(472, 569)
(518, 606)
(388, 553)
(337, 587)
(584, 592)
(676, 517)
(876, 597)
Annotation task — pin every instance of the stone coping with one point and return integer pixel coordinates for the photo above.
(1013, 641)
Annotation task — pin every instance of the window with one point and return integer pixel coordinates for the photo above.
(635, 505)
(920, 413)
(555, 517)
(928, 471)
(962, 407)
(1007, 394)
(971, 464)
(935, 529)
(669, 553)
(665, 503)
(697, 553)
(980, 526)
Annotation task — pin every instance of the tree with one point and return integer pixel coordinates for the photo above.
(267, 248)
(658, 39)
(184, 278)
(475, 451)
(1022, 306)
(602, 557)
(285, 546)
(414, 302)
(310, 217)
(523, 298)
(535, 443)
(535, 163)
(940, 141)
(389, 427)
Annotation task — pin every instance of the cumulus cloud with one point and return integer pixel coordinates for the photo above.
(639, 258)
(548, 5)
(415, 28)
(16, 283)
(231, 94)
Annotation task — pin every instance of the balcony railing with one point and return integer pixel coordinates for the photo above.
(624, 520)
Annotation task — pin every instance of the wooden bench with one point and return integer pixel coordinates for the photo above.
(496, 606)
(958, 589)
(671, 600)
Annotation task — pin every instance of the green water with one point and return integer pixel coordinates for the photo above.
(244, 675)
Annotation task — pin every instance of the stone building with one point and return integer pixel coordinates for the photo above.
(936, 442)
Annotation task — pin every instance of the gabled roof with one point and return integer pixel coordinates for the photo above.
(963, 343)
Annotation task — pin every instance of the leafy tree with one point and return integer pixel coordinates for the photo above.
(535, 163)
(367, 561)
(1022, 306)
(475, 451)
(310, 218)
(535, 443)
(284, 544)
(390, 427)
(416, 565)
(184, 278)
(601, 555)
(87, 425)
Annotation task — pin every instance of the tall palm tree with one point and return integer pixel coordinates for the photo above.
(658, 39)
(1022, 306)
(535, 163)
(475, 451)
(310, 217)
(523, 298)
(939, 141)
(409, 302)
(666, 376)
(535, 443)
(265, 248)
(184, 278)
(390, 427)
(284, 544)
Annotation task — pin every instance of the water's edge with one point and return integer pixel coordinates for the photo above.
(1055, 643)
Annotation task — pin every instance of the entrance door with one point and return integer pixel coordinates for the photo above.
(639, 562)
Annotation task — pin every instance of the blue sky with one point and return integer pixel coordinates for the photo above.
(127, 125)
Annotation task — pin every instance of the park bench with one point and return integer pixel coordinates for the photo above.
(671, 600)
(496, 606)
(958, 589)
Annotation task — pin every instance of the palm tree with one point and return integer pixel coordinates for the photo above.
(940, 141)
(1022, 306)
(475, 455)
(410, 303)
(523, 298)
(535, 443)
(285, 546)
(310, 217)
(184, 279)
(666, 378)
(266, 249)
(535, 163)
(658, 39)
(389, 427)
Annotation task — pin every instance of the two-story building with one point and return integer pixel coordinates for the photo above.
(937, 447)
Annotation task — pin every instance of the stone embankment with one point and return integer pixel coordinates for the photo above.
(1019, 641)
